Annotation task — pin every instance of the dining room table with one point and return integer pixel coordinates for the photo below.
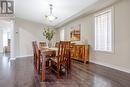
(46, 54)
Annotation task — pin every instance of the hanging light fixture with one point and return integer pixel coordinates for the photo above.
(51, 17)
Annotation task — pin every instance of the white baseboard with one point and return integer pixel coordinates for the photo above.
(112, 66)
(24, 56)
(11, 59)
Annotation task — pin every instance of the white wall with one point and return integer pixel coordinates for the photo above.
(120, 59)
(26, 32)
(1, 41)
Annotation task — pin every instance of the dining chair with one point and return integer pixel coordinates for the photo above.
(37, 57)
(42, 44)
(61, 60)
(56, 44)
(34, 54)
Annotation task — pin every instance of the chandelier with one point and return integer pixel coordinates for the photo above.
(50, 17)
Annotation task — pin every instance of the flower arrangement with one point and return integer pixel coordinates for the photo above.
(48, 33)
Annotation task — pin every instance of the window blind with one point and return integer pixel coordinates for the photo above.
(103, 31)
(62, 35)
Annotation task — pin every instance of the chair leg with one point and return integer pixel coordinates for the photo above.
(67, 67)
(58, 72)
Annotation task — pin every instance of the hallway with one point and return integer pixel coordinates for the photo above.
(6, 71)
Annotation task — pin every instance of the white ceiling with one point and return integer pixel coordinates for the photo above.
(65, 10)
(35, 10)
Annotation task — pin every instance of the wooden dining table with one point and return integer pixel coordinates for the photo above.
(46, 53)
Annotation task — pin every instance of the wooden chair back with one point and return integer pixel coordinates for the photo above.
(57, 44)
(42, 44)
(34, 52)
(37, 53)
(63, 51)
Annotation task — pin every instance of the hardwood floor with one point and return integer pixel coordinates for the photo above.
(6, 72)
(90, 75)
(20, 73)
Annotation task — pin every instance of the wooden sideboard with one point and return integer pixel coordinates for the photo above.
(80, 52)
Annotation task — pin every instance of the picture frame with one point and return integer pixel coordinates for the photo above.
(75, 33)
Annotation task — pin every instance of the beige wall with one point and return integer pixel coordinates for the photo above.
(26, 32)
(120, 59)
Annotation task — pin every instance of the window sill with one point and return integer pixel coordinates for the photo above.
(106, 52)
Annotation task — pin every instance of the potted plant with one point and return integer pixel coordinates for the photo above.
(49, 33)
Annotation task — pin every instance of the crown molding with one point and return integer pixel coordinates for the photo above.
(87, 11)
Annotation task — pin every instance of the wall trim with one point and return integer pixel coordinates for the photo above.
(23, 56)
(11, 59)
(112, 66)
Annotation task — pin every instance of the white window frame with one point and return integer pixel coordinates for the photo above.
(62, 34)
(113, 30)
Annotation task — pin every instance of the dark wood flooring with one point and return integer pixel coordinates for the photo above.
(6, 72)
(16, 73)
(20, 73)
(89, 75)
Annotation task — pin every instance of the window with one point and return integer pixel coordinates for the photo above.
(103, 31)
(62, 35)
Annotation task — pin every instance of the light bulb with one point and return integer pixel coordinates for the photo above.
(51, 17)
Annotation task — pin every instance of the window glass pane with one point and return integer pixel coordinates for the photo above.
(62, 35)
(103, 31)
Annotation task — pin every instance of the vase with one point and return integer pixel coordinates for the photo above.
(49, 43)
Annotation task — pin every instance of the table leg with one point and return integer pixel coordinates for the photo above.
(43, 75)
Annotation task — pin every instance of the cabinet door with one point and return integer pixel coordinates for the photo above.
(76, 52)
(86, 56)
(72, 49)
(79, 52)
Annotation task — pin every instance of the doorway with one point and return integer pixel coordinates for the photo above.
(6, 27)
